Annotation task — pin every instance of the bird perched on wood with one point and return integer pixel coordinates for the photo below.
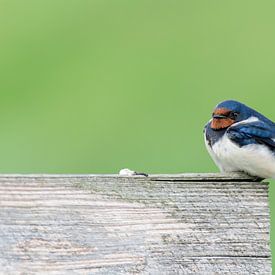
(240, 139)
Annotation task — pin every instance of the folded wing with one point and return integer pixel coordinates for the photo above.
(257, 132)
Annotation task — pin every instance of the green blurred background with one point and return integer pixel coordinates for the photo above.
(93, 86)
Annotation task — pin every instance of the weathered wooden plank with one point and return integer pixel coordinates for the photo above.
(182, 177)
(105, 224)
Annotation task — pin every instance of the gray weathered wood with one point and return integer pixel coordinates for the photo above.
(106, 224)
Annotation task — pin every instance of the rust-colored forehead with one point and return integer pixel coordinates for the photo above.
(221, 111)
(223, 123)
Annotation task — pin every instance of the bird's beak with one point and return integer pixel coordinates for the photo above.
(220, 116)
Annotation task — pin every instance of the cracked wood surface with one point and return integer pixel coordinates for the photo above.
(106, 224)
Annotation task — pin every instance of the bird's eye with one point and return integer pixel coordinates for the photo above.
(233, 115)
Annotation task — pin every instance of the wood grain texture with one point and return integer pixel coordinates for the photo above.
(106, 224)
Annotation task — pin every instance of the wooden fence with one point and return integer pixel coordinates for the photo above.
(161, 224)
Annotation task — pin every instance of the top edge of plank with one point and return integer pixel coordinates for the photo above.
(163, 177)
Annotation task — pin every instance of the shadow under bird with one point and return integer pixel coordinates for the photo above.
(240, 139)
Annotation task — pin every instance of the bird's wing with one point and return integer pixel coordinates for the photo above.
(257, 132)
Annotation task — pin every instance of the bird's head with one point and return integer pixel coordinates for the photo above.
(227, 113)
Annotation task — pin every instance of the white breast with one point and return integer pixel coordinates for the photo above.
(253, 159)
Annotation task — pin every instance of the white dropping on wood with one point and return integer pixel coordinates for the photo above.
(126, 172)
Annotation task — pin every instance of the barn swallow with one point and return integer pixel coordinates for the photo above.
(240, 139)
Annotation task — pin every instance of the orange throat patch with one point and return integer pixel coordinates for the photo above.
(221, 123)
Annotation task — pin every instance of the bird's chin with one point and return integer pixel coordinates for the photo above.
(219, 124)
